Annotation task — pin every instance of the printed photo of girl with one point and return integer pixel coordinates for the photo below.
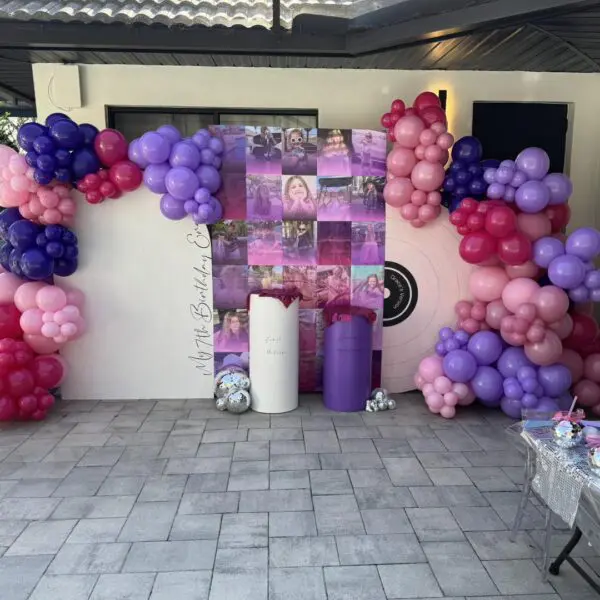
(230, 243)
(368, 243)
(370, 149)
(368, 287)
(334, 198)
(264, 198)
(367, 199)
(264, 278)
(234, 140)
(333, 286)
(230, 286)
(231, 331)
(303, 279)
(264, 243)
(299, 195)
(263, 146)
(334, 243)
(335, 152)
(299, 243)
(300, 151)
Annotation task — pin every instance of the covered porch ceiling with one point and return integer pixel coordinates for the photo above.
(496, 35)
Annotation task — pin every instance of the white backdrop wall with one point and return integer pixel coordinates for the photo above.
(137, 268)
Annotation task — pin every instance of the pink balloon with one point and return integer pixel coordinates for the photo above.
(416, 223)
(428, 389)
(591, 368)
(51, 330)
(68, 330)
(563, 327)
(75, 297)
(448, 412)
(20, 183)
(445, 141)
(546, 352)
(418, 198)
(551, 302)
(573, 361)
(397, 192)
(527, 311)
(486, 283)
(434, 198)
(461, 390)
(470, 325)
(427, 176)
(48, 198)
(419, 381)
(478, 311)
(463, 309)
(26, 294)
(51, 298)
(428, 213)
(468, 399)
(409, 212)
(536, 334)
(9, 284)
(434, 154)
(420, 152)
(517, 292)
(438, 127)
(400, 161)
(587, 392)
(18, 165)
(6, 153)
(442, 385)
(71, 312)
(35, 206)
(67, 206)
(431, 367)
(51, 216)
(26, 212)
(81, 327)
(428, 137)
(534, 226)
(31, 321)
(408, 130)
(450, 399)
(528, 269)
(41, 344)
(435, 400)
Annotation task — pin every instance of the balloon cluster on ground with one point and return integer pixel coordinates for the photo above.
(416, 161)
(186, 172)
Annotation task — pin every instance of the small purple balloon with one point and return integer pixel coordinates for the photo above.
(170, 133)
(134, 154)
(534, 162)
(182, 183)
(504, 174)
(527, 372)
(205, 215)
(171, 208)
(207, 156)
(184, 154)
(592, 279)
(445, 333)
(584, 243)
(511, 407)
(217, 162)
(532, 197)
(529, 385)
(595, 295)
(217, 210)
(547, 405)
(487, 386)
(154, 148)
(202, 196)
(519, 178)
(512, 388)
(209, 178)
(579, 294)
(450, 345)
(529, 401)
(566, 271)
(496, 191)
(511, 360)
(509, 193)
(233, 360)
(560, 188)
(462, 337)
(216, 145)
(201, 138)
(489, 175)
(190, 207)
(545, 250)
(155, 177)
(459, 366)
(485, 346)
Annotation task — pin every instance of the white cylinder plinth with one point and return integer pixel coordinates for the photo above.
(274, 354)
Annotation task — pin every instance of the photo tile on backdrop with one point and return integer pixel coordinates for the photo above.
(303, 209)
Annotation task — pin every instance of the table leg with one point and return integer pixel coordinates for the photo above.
(528, 476)
(547, 540)
(555, 566)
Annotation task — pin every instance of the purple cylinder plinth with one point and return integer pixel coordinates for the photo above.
(347, 364)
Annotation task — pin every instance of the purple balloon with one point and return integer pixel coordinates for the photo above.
(459, 366)
(555, 379)
(216, 145)
(529, 401)
(134, 154)
(532, 197)
(509, 193)
(440, 349)
(545, 250)
(205, 215)
(566, 271)
(592, 279)
(504, 174)
(28, 133)
(84, 161)
(66, 134)
(529, 385)
(207, 156)
(489, 176)
(524, 373)
(450, 345)
(171, 208)
(209, 178)
(184, 154)
(512, 388)
(89, 133)
(467, 149)
(547, 405)
(201, 139)
(233, 360)
(584, 243)
(155, 176)
(217, 210)
(487, 386)
(579, 294)
(190, 207)
(170, 133)
(560, 187)
(44, 145)
(154, 148)
(462, 337)
(511, 407)
(182, 183)
(519, 178)
(217, 162)
(202, 196)
(595, 295)
(485, 346)
(511, 360)
(534, 162)
(496, 191)
(445, 333)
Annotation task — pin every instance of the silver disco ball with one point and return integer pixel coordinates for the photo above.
(226, 371)
(567, 434)
(238, 401)
(232, 382)
(379, 394)
(391, 403)
(594, 460)
(221, 404)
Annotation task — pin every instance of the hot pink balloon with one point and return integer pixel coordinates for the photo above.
(486, 283)
(551, 302)
(546, 352)
(51, 298)
(528, 269)
(41, 344)
(573, 361)
(518, 291)
(534, 226)
(407, 131)
(9, 284)
(431, 367)
(26, 294)
(400, 161)
(31, 321)
(397, 192)
(427, 176)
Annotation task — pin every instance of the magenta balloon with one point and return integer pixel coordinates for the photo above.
(584, 243)
(171, 208)
(566, 271)
(534, 162)
(182, 183)
(560, 187)
(532, 197)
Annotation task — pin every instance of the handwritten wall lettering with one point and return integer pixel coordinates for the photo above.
(201, 307)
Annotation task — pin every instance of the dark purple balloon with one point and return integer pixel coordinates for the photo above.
(31, 159)
(44, 145)
(28, 133)
(22, 234)
(84, 161)
(36, 264)
(55, 117)
(46, 162)
(89, 133)
(66, 134)
(467, 149)
(43, 177)
(63, 158)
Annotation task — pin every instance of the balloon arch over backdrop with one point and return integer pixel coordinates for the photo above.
(523, 340)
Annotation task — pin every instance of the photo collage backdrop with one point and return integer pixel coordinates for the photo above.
(303, 208)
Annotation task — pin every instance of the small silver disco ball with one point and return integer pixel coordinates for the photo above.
(238, 401)
(567, 434)
(232, 382)
(227, 371)
(382, 404)
(221, 404)
(594, 460)
(391, 403)
(379, 394)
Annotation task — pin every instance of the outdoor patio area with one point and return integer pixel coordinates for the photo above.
(172, 500)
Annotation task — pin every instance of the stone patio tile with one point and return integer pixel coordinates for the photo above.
(123, 587)
(379, 549)
(262, 435)
(66, 454)
(101, 457)
(439, 460)
(224, 450)
(330, 482)
(195, 527)
(147, 557)
(357, 445)
(251, 451)
(390, 448)
(496, 545)
(301, 583)
(350, 461)
(366, 478)
(241, 585)
(294, 462)
(250, 530)
(10, 531)
(210, 502)
(207, 482)
(94, 508)
(384, 497)
(121, 486)
(321, 441)
(163, 488)
(31, 509)
(148, 522)
(82, 481)
(289, 480)
(434, 525)
(338, 515)
(406, 472)
(286, 447)
(275, 501)
(517, 577)
(29, 488)
(292, 524)
(473, 518)
(409, 581)
(386, 520)
(82, 559)
(94, 531)
(20, 574)
(41, 537)
(353, 583)
(447, 496)
(182, 586)
(190, 466)
(64, 587)
(490, 479)
(302, 552)
(180, 446)
(224, 435)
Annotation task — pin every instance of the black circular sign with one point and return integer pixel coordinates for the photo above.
(402, 294)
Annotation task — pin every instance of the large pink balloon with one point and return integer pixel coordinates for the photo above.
(563, 327)
(591, 368)
(407, 131)
(427, 176)
(31, 321)
(9, 284)
(25, 295)
(527, 269)
(546, 352)
(534, 226)
(400, 161)
(587, 392)
(517, 292)
(397, 192)
(431, 367)
(573, 361)
(51, 298)
(551, 302)
(41, 344)
(486, 283)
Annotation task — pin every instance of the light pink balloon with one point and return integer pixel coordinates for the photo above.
(6, 153)
(10, 198)
(435, 400)
(427, 176)
(26, 294)
(36, 207)
(418, 197)
(461, 390)
(428, 213)
(434, 198)
(546, 352)
(18, 165)
(535, 334)
(71, 311)
(50, 330)
(41, 344)
(48, 317)
(431, 367)
(534, 226)
(9, 284)
(397, 192)
(400, 161)
(75, 297)
(551, 302)
(448, 412)
(20, 183)
(434, 154)
(528, 269)
(51, 216)
(527, 311)
(428, 389)
(563, 327)
(419, 381)
(518, 291)
(573, 361)
(67, 206)
(68, 330)
(407, 131)
(445, 141)
(463, 309)
(450, 399)
(420, 152)
(486, 283)
(468, 399)
(31, 321)
(26, 212)
(409, 212)
(51, 298)
(417, 223)
(48, 198)
(438, 127)
(428, 137)
(442, 385)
